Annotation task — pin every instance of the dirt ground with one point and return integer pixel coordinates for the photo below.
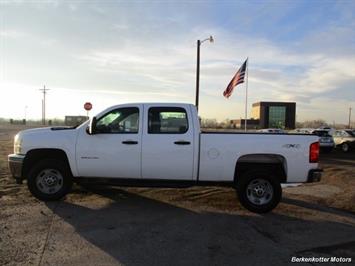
(193, 226)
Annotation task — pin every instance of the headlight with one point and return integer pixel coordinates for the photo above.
(17, 144)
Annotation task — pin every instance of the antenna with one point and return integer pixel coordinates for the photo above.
(44, 91)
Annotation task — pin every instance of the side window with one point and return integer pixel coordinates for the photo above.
(167, 120)
(122, 120)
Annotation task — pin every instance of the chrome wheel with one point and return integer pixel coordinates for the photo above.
(49, 181)
(260, 191)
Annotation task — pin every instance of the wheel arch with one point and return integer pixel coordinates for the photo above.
(34, 156)
(274, 163)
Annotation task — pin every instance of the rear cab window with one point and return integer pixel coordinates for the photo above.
(167, 120)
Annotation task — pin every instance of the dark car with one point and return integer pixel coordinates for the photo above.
(345, 139)
(326, 141)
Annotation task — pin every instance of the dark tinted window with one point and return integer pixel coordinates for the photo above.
(165, 120)
(321, 133)
(122, 120)
(277, 116)
(350, 132)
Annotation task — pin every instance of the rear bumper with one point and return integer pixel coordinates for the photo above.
(15, 162)
(326, 145)
(314, 175)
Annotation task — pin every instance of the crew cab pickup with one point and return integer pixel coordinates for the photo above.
(161, 144)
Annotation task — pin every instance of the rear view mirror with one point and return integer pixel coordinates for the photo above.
(92, 126)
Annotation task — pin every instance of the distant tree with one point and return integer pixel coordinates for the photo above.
(341, 126)
(208, 123)
(311, 123)
(226, 123)
(3, 121)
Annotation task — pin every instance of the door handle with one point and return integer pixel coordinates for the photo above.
(129, 142)
(182, 142)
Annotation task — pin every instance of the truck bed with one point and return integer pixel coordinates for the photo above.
(219, 152)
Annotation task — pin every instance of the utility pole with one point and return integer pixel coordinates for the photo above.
(44, 91)
(350, 117)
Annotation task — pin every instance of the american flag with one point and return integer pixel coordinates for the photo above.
(237, 79)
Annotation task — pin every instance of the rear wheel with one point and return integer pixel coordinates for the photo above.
(49, 179)
(259, 191)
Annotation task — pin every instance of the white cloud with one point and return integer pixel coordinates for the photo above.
(120, 27)
(329, 74)
(276, 73)
(12, 34)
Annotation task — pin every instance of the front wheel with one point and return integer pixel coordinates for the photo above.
(49, 179)
(259, 191)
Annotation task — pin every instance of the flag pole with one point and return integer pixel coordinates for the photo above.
(246, 96)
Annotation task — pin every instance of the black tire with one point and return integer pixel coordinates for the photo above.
(58, 169)
(345, 147)
(251, 178)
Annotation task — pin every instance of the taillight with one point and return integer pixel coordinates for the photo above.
(314, 152)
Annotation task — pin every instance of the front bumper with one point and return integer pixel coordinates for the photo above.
(314, 175)
(15, 162)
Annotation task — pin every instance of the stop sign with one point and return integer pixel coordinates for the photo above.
(87, 106)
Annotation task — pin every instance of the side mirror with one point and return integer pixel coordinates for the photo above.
(92, 126)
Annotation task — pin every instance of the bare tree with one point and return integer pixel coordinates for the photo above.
(312, 123)
(208, 123)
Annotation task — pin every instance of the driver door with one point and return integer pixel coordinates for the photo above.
(114, 150)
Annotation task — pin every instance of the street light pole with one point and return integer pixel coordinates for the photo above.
(198, 74)
(198, 69)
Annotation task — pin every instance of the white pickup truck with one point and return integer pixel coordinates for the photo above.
(161, 144)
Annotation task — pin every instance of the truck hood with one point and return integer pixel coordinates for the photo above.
(45, 138)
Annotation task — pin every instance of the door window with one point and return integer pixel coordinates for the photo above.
(167, 120)
(122, 120)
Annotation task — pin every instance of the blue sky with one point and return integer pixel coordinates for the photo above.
(111, 52)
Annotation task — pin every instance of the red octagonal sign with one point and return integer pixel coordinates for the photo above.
(87, 106)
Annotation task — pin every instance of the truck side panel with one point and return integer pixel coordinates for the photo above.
(220, 152)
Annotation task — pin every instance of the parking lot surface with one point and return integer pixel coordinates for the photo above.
(193, 226)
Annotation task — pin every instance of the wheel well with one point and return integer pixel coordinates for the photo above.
(36, 155)
(275, 164)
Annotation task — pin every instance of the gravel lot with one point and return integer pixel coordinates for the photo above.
(193, 226)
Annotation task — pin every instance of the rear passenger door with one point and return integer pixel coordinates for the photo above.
(167, 146)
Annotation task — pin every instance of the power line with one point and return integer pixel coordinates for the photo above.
(44, 91)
